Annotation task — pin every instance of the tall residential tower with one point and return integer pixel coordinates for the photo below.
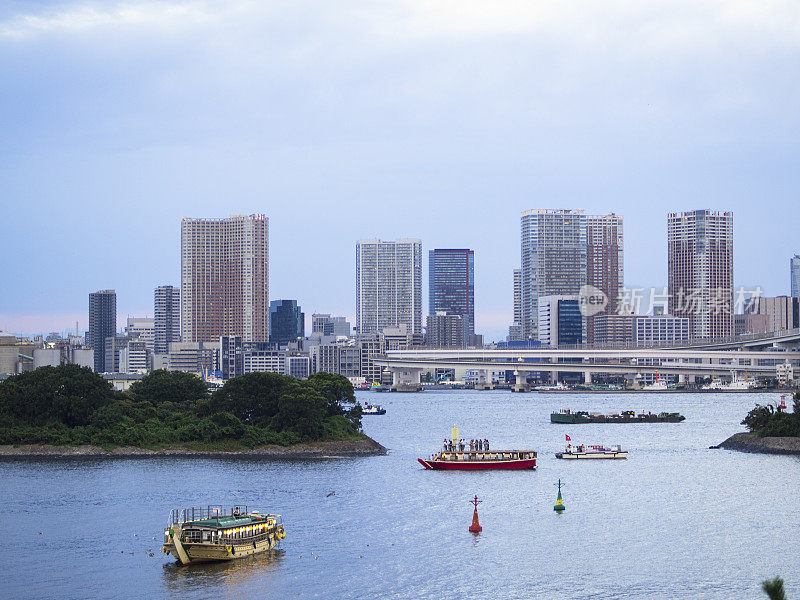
(794, 270)
(225, 278)
(166, 317)
(451, 287)
(700, 271)
(102, 324)
(604, 262)
(389, 285)
(553, 259)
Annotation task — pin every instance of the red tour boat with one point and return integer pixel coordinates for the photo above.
(481, 460)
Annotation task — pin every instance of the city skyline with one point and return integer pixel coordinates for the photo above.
(399, 120)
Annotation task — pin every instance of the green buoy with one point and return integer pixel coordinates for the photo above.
(559, 507)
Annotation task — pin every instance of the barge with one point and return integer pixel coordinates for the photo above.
(567, 417)
(592, 452)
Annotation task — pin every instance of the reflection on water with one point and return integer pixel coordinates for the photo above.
(226, 577)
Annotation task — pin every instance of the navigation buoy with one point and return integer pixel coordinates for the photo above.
(559, 507)
(476, 526)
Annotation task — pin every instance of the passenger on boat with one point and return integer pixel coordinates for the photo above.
(444, 445)
(461, 445)
(486, 444)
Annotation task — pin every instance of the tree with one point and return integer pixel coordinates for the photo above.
(169, 386)
(252, 398)
(336, 389)
(67, 393)
(774, 589)
(300, 409)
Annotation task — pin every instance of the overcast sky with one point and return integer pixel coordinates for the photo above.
(442, 120)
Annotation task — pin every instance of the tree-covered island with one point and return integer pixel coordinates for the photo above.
(772, 430)
(73, 406)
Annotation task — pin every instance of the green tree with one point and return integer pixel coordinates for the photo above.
(336, 389)
(67, 393)
(774, 589)
(300, 409)
(252, 398)
(169, 386)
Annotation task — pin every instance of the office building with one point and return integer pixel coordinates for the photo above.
(782, 312)
(553, 259)
(114, 345)
(452, 285)
(298, 367)
(794, 271)
(700, 271)
(194, 357)
(604, 263)
(225, 278)
(286, 322)
(560, 321)
(325, 324)
(445, 331)
(102, 324)
(231, 360)
(661, 330)
(612, 329)
(166, 317)
(388, 285)
(750, 323)
(142, 329)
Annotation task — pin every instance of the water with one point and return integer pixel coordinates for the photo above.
(675, 520)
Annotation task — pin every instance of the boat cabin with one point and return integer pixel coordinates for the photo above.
(487, 456)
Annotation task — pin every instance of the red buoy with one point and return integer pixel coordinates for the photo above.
(476, 526)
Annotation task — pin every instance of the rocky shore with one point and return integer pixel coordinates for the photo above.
(748, 442)
(348, 448)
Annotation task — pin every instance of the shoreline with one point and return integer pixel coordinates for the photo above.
(334, 449)
(748, 442)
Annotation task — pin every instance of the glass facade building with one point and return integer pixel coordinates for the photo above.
(102, 324)
(451, 287)
(286, 322)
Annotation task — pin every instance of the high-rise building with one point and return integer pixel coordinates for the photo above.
(560, 321)
(445, 331)
(102, 324)
(794, 270)
(659, 330)
(700, 271)
(225, 278)
(604, 263)
(451, 287)
(166, 317)
(286, 322)
(517, 297)
(553, 259)
(388, 285)
(782, 312)
(325, 324)
(141, 328)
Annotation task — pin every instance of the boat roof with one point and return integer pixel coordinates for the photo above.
(229, 521)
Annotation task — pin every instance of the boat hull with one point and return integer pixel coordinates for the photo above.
(575, 419)
(591, 455)
(484, 465)
(206, 553)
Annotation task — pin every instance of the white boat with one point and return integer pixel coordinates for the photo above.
(656, 386)
(372, 409)
(592, 452)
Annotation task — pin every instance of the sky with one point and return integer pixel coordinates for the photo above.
(436, 119)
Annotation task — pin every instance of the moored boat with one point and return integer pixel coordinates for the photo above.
(481, 460)
(216, 533)
(566, 416)
(592, 452)
(372, 409)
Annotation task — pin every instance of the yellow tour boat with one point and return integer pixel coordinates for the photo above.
(215, 533)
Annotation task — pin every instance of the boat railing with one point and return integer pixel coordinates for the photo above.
(198, 513)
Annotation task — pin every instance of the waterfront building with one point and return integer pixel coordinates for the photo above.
(388, 285)
(660, 330)
(166, 317)
(560, 321)
(102, 324)
(325, 324)
(750, 323)
(286, 322)
(225, 278)
(451, 287)
(782, 312)
(445, 331)
(553, 253)
(604, 264)
(370, 346)
(612, 329)
(700, 271)
(794, 270)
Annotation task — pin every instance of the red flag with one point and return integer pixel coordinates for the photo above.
(569, 439)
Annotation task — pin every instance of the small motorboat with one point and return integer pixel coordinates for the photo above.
(582, 452)
(372, 409)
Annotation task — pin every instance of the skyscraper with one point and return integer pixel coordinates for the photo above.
(451, 287)
(286, 322)
(167, 317)
(388, 285)
(553, 259)
(604, 262)
(794, 269)
(700, 271)
(518, 296)
(102, 324)
(225, 278)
